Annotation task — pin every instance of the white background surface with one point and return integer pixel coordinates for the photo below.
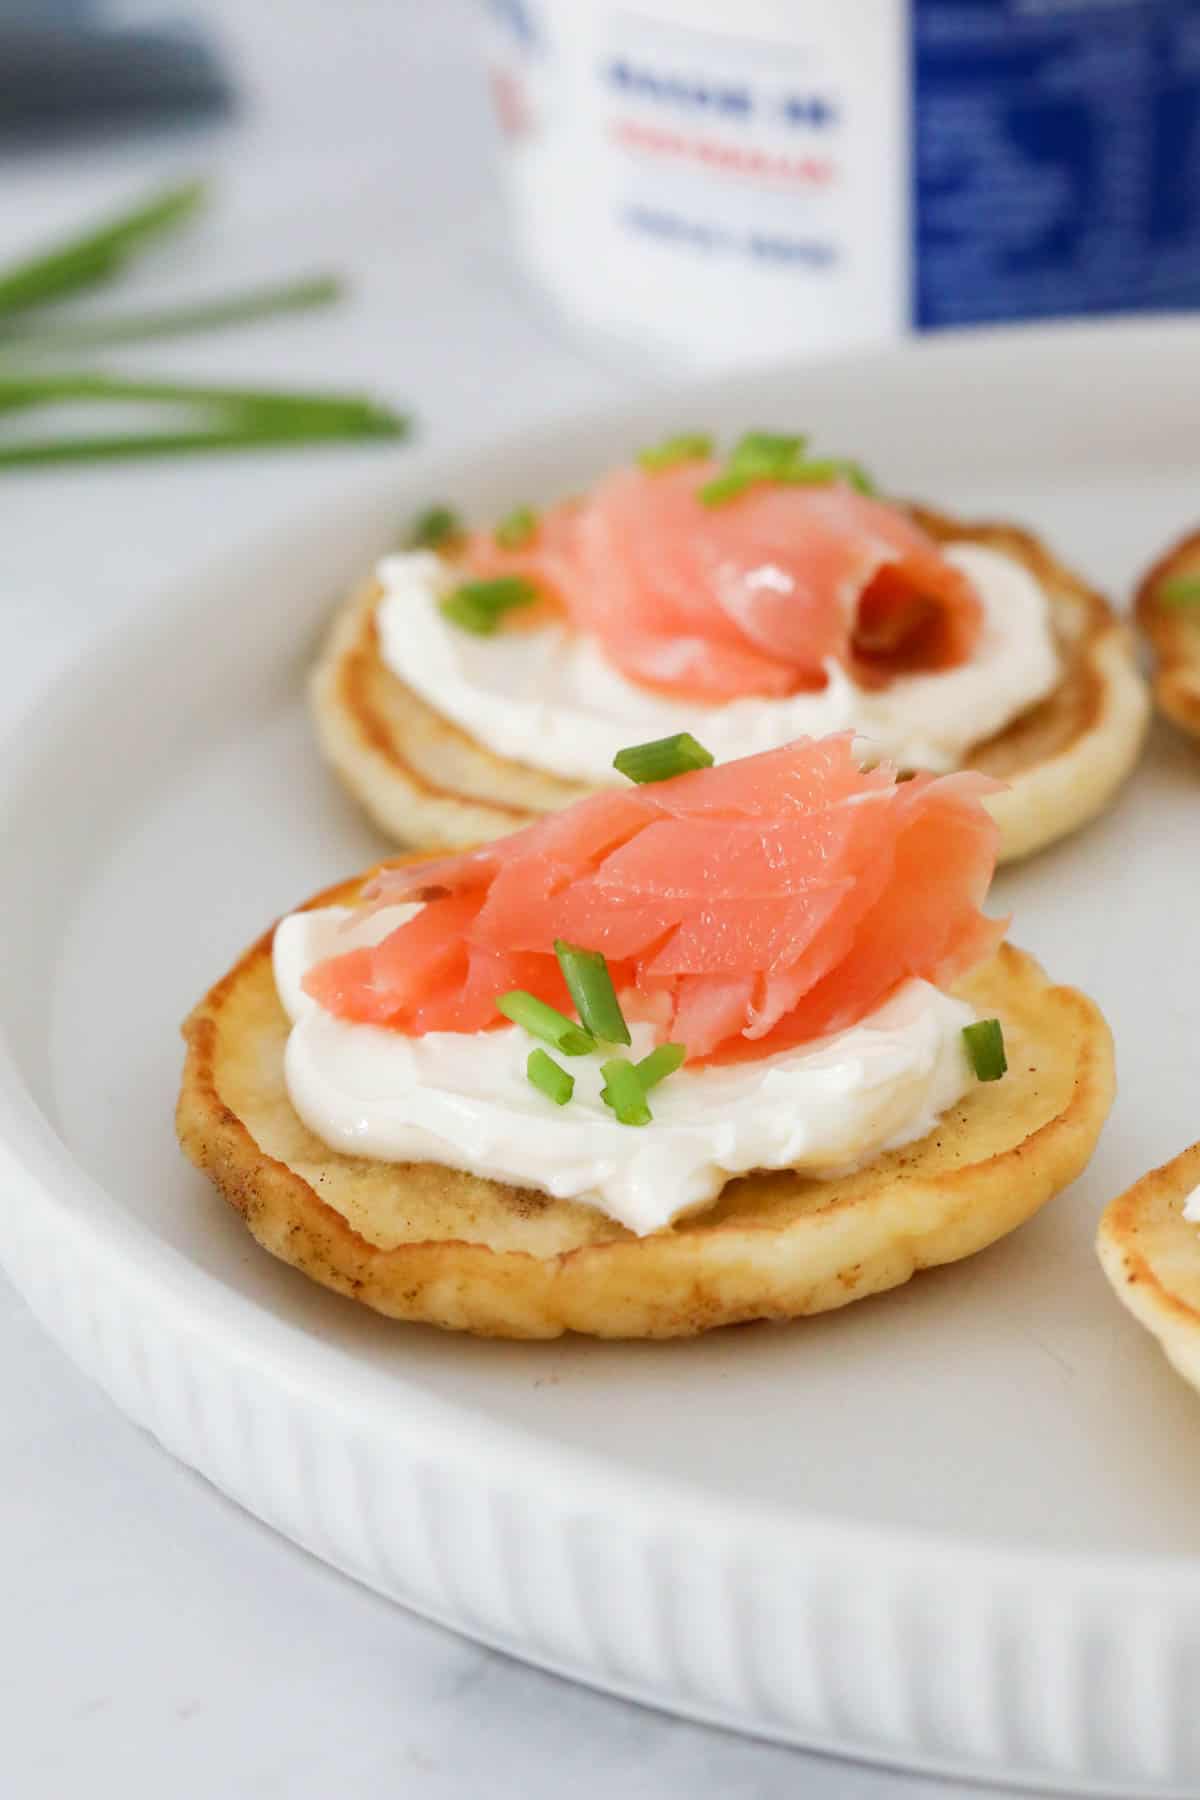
(157, 1641)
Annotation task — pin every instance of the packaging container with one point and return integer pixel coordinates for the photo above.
(721, 181)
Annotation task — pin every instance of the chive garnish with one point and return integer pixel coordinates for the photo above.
(819, 470)
(543, 1021)
(479, 606)
(279, 407)
(985, 1049)
(660, 1063)
(763, 452)
(757, 456)
(122, 446)
(624, 1092)
(434, 529)
(770, 456)
(224, 418)
(548, 1078)
(856, 476)
(723, 487)
(1181, 590)
(219, 312)
(590, 984)
(518, 529)
(96, 255)
(687, 446)
(662, 758)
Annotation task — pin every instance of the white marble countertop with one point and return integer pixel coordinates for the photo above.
(159, 1641)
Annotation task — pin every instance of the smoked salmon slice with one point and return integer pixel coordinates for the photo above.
(743, 908)
(757, 595)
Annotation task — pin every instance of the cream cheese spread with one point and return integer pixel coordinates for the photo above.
(463, 1100)
(550, 699)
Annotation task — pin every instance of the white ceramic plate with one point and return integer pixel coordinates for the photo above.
(954, 1527)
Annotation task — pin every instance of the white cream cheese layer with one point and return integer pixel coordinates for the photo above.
(1191, 1207)
(463, 1100)
(550, 699)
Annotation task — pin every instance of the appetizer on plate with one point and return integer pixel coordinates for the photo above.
(1168, 610)
(484, 677)
(1149, 1246)
(728, 1042)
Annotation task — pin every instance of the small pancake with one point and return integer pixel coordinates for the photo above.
(1174, 632)
(423, 1242)
(424, 780)
(1151, 1255)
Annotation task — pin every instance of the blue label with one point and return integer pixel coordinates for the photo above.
(1056, 158)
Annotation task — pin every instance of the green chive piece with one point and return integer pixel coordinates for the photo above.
(479, 606)
(985, 1049)
(258, 406)
(815, 471)
(543, 1021)
(96, 255)
(590, 984)
(765, 453)
(856, 476)
(662, 758)
(216, 314)
(771, 456)
(121, 447)
(518, 529)
(548, 1078)
(660, 1063)
(757, 456)
(435, 528)
(624, 1092)
(723, 487)
(687, 446)
(1181, 590)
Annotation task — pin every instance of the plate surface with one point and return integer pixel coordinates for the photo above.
(953, 1527)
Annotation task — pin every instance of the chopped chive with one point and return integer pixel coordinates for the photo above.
(660, 1063)
(757, 456)
(985, 1049)
(818, 470)
(687, 446)
(624, 1092)
(548, 1078)
(765, 452)
(121, 446)
(277, 407)
(518, 529)
(1181, 590)
(770, 456)
(436, 527)
(543, 1021)
(813, 472)
(96, 255)
(723, 487)
(216, 314)
(856, 477)
(479, 606)
(662, 758)
(586, 975)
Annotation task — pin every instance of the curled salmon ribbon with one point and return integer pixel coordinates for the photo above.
(743, 909)
(753, 597)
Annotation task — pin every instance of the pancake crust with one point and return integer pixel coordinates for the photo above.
(422, 1242)
(425, 781)
(1151, 1255)
(1174, 632)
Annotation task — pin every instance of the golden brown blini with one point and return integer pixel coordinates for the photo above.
(423, 1242)
(1151, 1255)
(1174, 632)
(425, 781)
